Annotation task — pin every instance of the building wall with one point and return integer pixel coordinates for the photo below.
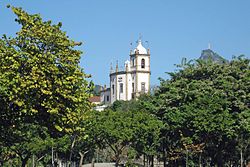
(127, 80)
(132, 62)
(143, 78)
(121, 92)
(147, 63)
(113, 88)
(102, 95)
(105, 96)
(129, 86)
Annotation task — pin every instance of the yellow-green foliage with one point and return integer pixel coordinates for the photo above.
(40, 75)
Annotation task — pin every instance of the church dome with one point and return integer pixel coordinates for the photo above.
(140, 48)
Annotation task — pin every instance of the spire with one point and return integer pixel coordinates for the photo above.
(139, 42)
(131, 48)
(116, 68)
(111, 68)
(126, 66)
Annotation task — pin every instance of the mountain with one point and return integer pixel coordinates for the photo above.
(208, 54)
(97, 90)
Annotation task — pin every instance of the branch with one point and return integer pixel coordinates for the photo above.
(40, 158)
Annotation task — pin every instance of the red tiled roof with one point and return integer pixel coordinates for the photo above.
(95, 99)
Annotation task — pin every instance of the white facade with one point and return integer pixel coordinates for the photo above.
(105, 96)
(134, 80)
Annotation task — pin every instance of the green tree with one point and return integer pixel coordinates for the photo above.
(203, 104)
(41, 82)
(122, 127)
(41, 75)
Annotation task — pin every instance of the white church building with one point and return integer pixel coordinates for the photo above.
(134, 80)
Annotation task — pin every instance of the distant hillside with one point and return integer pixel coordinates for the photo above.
(97, 90)
(208, 54)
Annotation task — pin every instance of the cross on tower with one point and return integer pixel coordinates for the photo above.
(140, 38)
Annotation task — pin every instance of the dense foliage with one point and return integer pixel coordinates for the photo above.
(43, 90)
(124, 128)
(198, 117)
(206, 108)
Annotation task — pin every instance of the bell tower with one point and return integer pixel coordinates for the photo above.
(140, 69)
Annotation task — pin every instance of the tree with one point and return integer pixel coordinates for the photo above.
(203, 104)
(122, 126)
(41, 82)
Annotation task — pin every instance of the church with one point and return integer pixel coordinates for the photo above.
(131, 81)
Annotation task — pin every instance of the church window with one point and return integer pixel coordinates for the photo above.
(133, 87)
(121, 87)
(107, 98)
(113, 89)
(143, 87)
(142, 63)
(133, 62)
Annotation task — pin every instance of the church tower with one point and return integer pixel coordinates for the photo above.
(140, 70)
(131, 81)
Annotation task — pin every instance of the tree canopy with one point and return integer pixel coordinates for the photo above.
(41, 83)
(201, 115)
(206, 106)
(40, 73)
(124, 126)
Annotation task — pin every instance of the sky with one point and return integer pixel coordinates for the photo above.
(174, 29)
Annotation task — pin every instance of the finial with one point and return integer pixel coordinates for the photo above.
(140, 36)
(140, 39)
(148, 51)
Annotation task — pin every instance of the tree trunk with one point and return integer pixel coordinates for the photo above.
(164, 158)
(33, 160)
(71, 150)
(144, 159)
(81, 159)
(200, 160)
(147, 160)
(24, 161)
(187, 158)
(93, 162)
(219, 159)
(241, 158)
(152, 160)
(116, 163)
(117, 159)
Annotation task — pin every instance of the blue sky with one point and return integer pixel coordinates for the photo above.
(174, 29)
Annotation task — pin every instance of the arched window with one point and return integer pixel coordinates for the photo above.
(142, 63)
(121, 87)
(113, 89)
